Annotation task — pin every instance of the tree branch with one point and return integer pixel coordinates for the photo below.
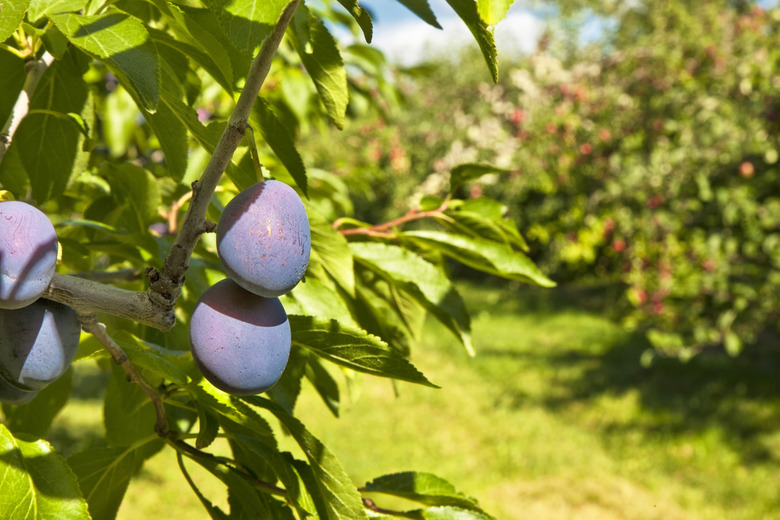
(90, 324)
(168, 283)
(89, 297)
(383, 230)
(35, 70)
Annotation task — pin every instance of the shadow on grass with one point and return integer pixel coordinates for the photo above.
(740, 396)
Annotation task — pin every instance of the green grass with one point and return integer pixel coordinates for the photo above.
(554, 419)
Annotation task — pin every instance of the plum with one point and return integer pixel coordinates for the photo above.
(9, 394)
(264, 240)
(37, 343)
(240, 340)
(28, 254)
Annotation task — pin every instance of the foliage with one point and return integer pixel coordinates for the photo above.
(649, 159)
(135, 110)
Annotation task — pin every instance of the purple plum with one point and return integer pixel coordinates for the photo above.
(9, 394)
(37, 343)
(240, 340)
(28, 254)
(264, 240)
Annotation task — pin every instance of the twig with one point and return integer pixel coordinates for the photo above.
(90, 324)
(382, 230)
(35, 70)
(168, 282)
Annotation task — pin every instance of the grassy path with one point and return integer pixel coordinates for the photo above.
(554, 419)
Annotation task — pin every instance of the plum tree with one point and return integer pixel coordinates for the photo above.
(28, 254)
(37, 343)
(240, 340)
(12, 395)
(264, 240)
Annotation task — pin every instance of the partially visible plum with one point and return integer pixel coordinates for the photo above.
(264, 240)
(240, 341)
(9, 394)
(37, 343)
(28, 254)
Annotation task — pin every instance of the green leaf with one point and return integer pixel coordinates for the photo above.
(361, 16)
(281, 142)
(138, 188)
(422, 280)
(331, 482)
(129, 416)
(483, 255)
(197, 42)
(37, 484)
(123, 44)
(248, 23)
(477, 225)
(49, 146)
(424, 488)
(316, 298)
(35, 417)
(173, 139)
(214, 512)
(11, 16)
(11, 81)
(231, 408)
(103, 474)
(169, 365)
(331, 250)
(324, 384)
(208, 427)
(467, 11)
(468, 172)
(422, 10)
(493, 11)
(353, 348)
(320, 55)
(448, 513)
(286, 390)
(40, 8)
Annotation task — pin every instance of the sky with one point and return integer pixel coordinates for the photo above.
(405, 38)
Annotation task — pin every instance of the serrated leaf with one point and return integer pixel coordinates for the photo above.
(422, 280)
(353, 348)
(129, 416)
(138, 188)
(331, 249)
(247, 23)
(477, 225)
(37, 484)
(463, 173)
(233, 409)
(317, 298)
(173, 139)
(467, 11)
(424, 488)
(493, 11)
(197, 42)
(422, 10)
(11, 16)
(41, 8)
(324, 384)
(281, 142)
(332, 483)
(35, 417)
(361, 16)
(123, 44)
(166, 364)
(103, 474)
(214, 512)
(483, 255)
(208, 427)
(320, 55)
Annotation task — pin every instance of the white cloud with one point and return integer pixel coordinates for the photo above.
(409, 42)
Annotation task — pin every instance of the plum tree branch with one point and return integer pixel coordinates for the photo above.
(90, 323)
(169, 281)
(383, 230)
(35, 70)
(88, 296)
